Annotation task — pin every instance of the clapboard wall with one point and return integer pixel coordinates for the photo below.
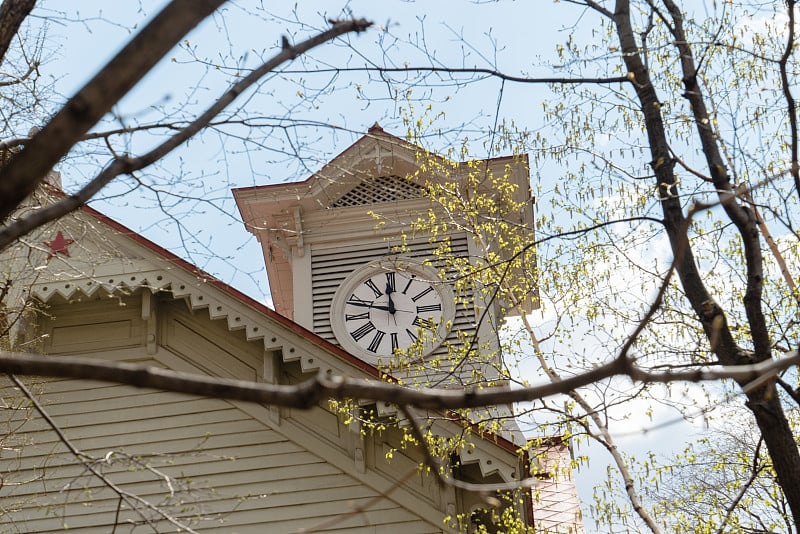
(214, 465)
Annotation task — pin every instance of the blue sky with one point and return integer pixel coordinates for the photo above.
(516, 37)
(210, 170)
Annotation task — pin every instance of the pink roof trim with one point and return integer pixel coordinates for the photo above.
(272, 314)
(233, 292)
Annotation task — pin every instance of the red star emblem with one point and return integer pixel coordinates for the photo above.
(59, 245)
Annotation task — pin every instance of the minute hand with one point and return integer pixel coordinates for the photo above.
(373, 306)
(368, 305)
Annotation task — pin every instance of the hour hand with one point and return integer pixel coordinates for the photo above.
(389, 292)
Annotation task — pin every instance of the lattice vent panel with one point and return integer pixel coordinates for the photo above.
(379, 189)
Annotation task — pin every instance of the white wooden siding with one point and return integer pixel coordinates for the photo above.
(236, 472)
(230, 472)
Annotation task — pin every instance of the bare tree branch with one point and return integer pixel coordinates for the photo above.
(126, 165)
(311, 392)
(27, 169)
(786, 87)
(19, 79)
(12, 14)
(489, 73)
(132, 500)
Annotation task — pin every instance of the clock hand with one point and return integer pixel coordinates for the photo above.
(369, 305)
(389, 290)
(375, 306)
(392, 309)
(361, 304)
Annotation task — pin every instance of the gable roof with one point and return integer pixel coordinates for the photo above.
(231, 291)
(375, 154)
(130, 261)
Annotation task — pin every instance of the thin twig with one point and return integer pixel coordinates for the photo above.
(130, 499)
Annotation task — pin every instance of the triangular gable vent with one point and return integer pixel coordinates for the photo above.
(379, 189)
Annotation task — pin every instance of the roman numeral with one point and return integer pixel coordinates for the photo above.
(429, 308)
(356, 317)
(362, 330)
(410, 280)
(390, 282)
(370, 284)
(395, 343)
(422, 293)
(355, 299)
(376, 341)
(422, 323)
(412, 335)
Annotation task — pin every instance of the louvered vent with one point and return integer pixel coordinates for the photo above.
(329, 268)
(331, 265)
(379, 189)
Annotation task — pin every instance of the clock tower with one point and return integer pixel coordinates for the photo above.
(342, 259)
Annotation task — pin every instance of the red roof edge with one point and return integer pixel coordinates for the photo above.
(233, 292)
(272, 314)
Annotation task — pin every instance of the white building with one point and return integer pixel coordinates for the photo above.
(113, 457)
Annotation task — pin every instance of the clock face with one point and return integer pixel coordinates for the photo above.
(391, 305)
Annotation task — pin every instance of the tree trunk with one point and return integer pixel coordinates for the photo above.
(12, 14)
(764, 402)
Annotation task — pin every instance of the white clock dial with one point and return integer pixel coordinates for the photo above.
(391, 305)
